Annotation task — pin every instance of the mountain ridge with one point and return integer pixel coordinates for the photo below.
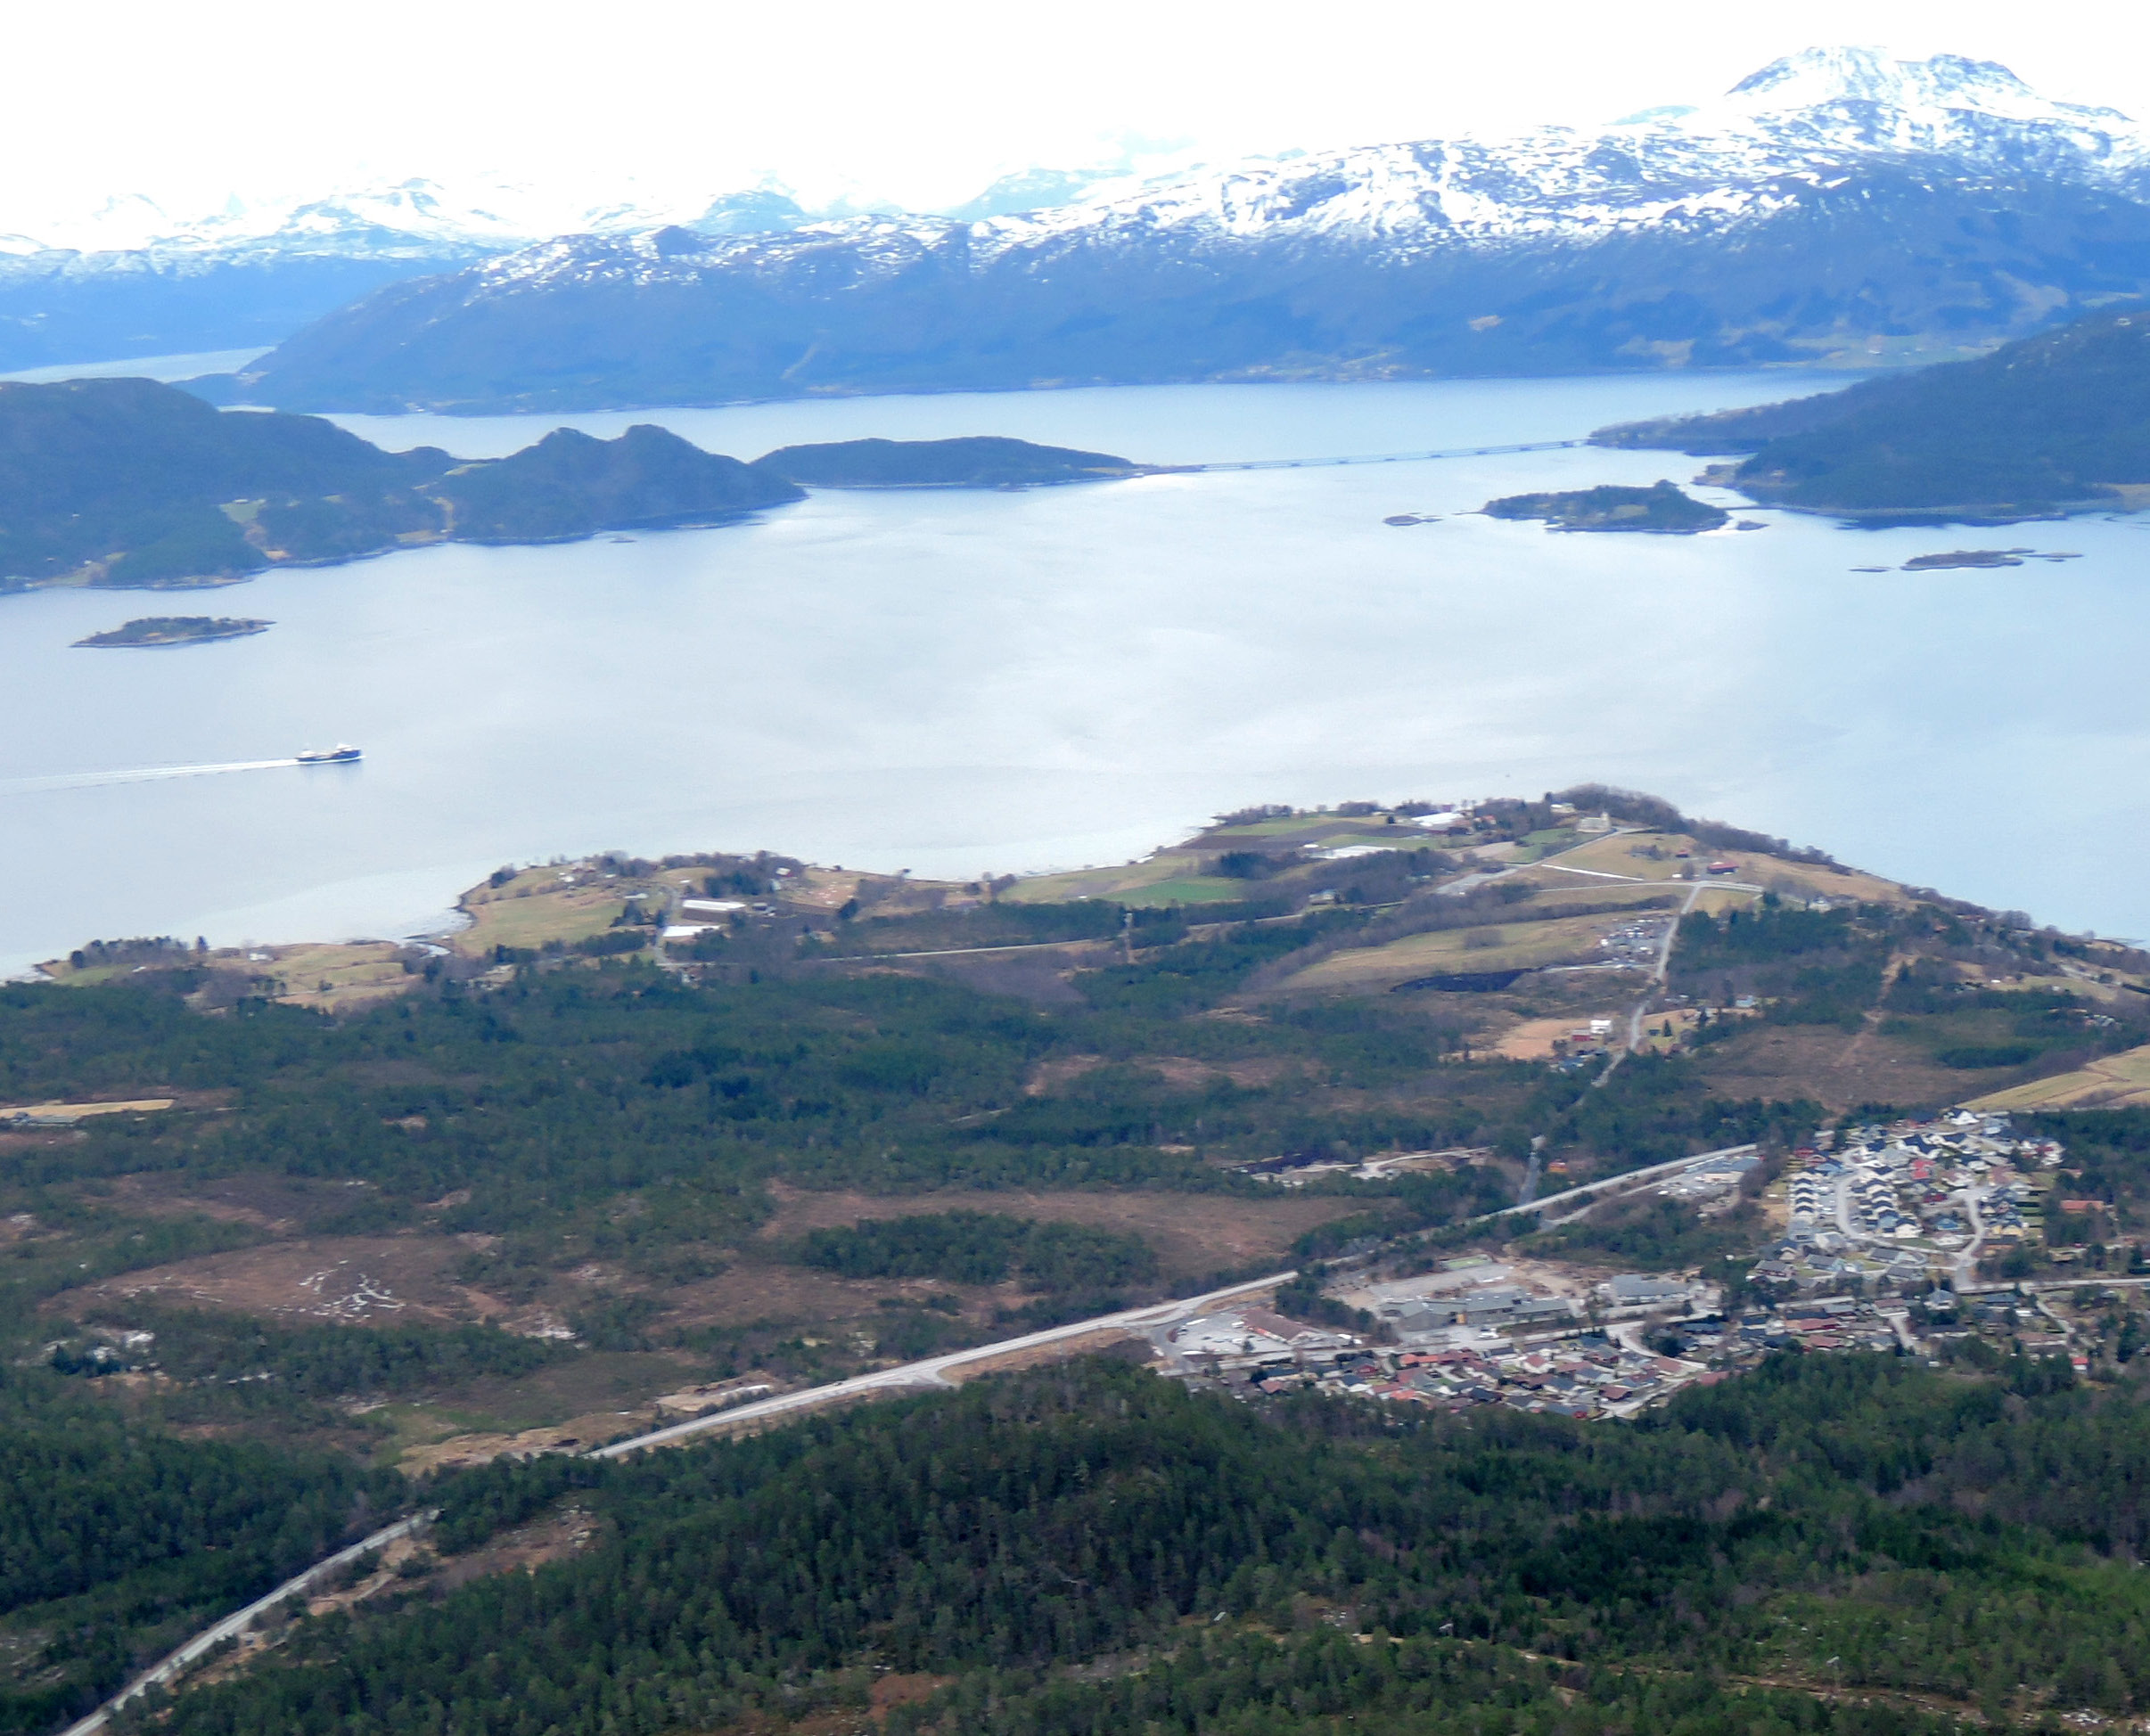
(1835, 205)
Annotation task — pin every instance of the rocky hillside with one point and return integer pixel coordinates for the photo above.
(1836, 206)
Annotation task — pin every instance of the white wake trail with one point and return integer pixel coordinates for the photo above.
(138, 774)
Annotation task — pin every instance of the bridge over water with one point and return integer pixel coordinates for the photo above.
(1377, 458)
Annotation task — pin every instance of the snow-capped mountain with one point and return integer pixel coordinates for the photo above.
(133, 278)
(1837, 205)
(460, 219)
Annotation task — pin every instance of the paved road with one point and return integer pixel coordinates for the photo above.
(1657, 981)
(930, 1372)
(1588, 1190)
(239, 1620)
(934, 1370)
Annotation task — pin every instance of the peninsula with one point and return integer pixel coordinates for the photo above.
(305, 1243)
(1664, 509)
(174, 630)
(2053, 424)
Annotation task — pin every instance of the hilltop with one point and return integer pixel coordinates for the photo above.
(2057, 420)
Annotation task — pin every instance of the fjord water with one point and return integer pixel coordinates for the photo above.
(962, 681)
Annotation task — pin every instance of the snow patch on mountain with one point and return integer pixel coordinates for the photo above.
(1799, 127)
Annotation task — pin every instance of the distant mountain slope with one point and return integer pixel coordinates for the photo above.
(982, 461)
(125, 482)
(2060, 418)
(1835, 205)
(135, 280)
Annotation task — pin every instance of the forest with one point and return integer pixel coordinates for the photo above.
(1828, 1520)
(983, 1247)
(117, 1539)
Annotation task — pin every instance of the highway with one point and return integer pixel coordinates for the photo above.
(934, 1371)
(1590, 1189)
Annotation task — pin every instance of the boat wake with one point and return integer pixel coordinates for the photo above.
(139, 774)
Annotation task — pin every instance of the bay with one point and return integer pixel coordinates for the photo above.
(957, 681)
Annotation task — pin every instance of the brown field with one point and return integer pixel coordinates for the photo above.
(81, 1111)
(351, 1279)
(371, 1280)
(1533, 1039)
(1824, 1063)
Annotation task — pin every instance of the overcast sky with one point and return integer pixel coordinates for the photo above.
(920, 104)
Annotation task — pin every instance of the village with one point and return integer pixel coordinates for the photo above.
(1876, 1235)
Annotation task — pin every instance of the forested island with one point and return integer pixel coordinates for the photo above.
(1663, 508)
(132, 485)
(2049, 424)
(973, 461)
(174, 630)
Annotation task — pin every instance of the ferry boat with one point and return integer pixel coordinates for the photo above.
(328, 755)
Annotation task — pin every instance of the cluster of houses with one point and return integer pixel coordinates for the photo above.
(1899, 1201)
(1590, 1376)
(1582, 1374)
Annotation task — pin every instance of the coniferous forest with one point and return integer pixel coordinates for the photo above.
(1091, 1549)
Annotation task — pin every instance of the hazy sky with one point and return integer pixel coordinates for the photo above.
(920, 104)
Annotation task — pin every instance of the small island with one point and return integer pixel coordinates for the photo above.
(175, 630)
(1664, 509)
(980, 461)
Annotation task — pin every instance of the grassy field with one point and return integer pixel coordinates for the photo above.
(1130, 882)
(1552, 890)
(1654, 855)
(2113, 1082)
(537, 906)
(1515, 946)
(336, 978)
